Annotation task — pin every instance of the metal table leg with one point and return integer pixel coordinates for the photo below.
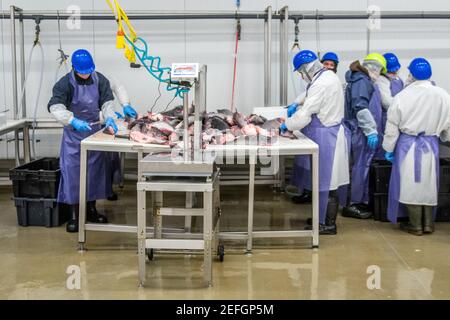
(82, 204)
(251, 200)
(189, 205)
(16, 147)
(122, 170)
(207, 235)
(141, 234)
(26, 144)
(282, 170)
(315, 199)
(157, 198)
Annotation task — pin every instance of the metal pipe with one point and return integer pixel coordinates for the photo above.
(186, 126)
(155, 15)
(281, 61)
(14, 62)
(22, 67)
(368, 41)
(284, 55)
(268, 58)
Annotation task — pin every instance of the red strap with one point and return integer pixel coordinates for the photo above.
(233, 108)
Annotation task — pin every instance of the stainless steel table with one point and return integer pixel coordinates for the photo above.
(284, 147)
(16, 126)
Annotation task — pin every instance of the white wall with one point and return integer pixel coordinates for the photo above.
(211, 42)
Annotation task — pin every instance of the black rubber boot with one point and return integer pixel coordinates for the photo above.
(305, 197)
(113, 197)
(72, 224)
(93, 215)
(329, 228)
(357, 210)
(428, 223)
(414, 226)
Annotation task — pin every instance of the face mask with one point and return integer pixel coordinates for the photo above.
(374, 70)
(305, 76)
(409, 80)
(373, 75)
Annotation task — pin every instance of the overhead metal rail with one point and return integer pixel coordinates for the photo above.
(255, 15)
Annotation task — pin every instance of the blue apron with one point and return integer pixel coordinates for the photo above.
(362, 155)
(404, 143)
(326, 138)
(85, 106)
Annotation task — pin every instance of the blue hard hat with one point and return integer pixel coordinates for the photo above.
(330, 56)
(392, 63)
(82, 62)
(420, 69)
(303, 57)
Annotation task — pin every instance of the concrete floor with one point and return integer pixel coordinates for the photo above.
(34, 260)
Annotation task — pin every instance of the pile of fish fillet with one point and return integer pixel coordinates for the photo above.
(218, 128)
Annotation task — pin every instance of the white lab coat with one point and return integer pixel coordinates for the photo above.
(325, 99)
(384, 84)
(420, 107)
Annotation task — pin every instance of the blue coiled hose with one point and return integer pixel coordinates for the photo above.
(154, 67)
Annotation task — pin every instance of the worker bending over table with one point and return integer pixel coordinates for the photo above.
(77, 99)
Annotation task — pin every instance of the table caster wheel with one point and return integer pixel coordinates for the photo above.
(150, 254)
(221, 252)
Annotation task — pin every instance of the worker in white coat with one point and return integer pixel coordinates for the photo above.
(320, 119)
(418, 116)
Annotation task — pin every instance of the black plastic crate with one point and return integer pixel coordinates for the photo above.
(444, 176)
(378, 203)
(379, 176)
(40, 212)
(37, 179)
(443, 210)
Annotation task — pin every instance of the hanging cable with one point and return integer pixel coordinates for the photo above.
(159, 96)
(296, 32)
(294, 50)
(63, 57)
(36, 43)
(238, 37)
(318, 34)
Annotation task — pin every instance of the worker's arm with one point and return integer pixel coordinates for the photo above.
(361, 93)
(301, 98)
(120, 92)
(392, 131)
(59, 101)
(106, 100)
(384, 85)
(312, 104)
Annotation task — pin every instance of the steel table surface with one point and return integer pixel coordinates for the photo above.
(15, 126)
(302, 146)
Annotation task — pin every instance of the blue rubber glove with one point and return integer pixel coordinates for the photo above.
(372, 141)
(389, 156)
(110, 123)
(119, 115)
(129, 111)
(291, 110)
(283, 128)
(80, 125)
